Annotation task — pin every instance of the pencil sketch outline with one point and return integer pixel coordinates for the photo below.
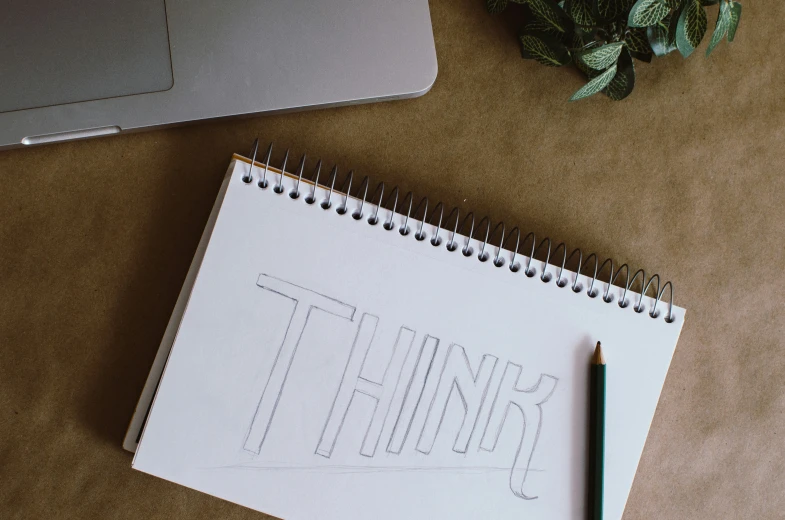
(397, 440)
(390, 404)
(261, 421)
(429, 431)
(331, 427)
(539, 394)
(355, 380)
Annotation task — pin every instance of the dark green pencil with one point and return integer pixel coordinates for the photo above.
(596, 433)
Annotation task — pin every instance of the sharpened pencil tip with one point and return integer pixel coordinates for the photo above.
(598, 358)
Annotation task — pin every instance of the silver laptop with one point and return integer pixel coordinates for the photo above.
(88, 68)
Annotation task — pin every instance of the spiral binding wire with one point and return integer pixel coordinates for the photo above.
(458, 227)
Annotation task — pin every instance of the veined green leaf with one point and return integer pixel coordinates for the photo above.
(544, 49)
(624, 81)
(709, 2)
(585, 45)
(721, 28)
(608, 10)
(590, 73)
(602, 57)
(595, 85)
(496, 6)
(519, 1)
(537, 25)
(648, 12)
(735, 16)
(550, 12)
(637, 42)
(691, 27)
(659, 41)
(580, 12)
(673, 23)
(662, 35)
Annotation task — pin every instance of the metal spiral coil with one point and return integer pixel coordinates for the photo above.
(454, 226)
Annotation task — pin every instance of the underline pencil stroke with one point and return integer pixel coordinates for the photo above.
(375, 469)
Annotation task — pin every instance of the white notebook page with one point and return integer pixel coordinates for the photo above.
(326, 368)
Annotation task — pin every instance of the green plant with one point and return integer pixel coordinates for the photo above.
(601, 37)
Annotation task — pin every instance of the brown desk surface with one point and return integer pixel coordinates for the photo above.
(685, 179)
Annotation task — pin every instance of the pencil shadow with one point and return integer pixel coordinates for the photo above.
(581, 366)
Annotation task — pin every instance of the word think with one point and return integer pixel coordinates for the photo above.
(399, 388)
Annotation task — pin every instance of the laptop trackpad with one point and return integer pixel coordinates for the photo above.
(55, 52)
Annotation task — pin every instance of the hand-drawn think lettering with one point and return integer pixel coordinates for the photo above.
(397, 382)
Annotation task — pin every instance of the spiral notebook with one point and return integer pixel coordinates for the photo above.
(341, 350)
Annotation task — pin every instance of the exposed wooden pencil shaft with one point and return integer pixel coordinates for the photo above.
(598, 358)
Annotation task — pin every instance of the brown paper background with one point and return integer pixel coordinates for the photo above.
(685, 179)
